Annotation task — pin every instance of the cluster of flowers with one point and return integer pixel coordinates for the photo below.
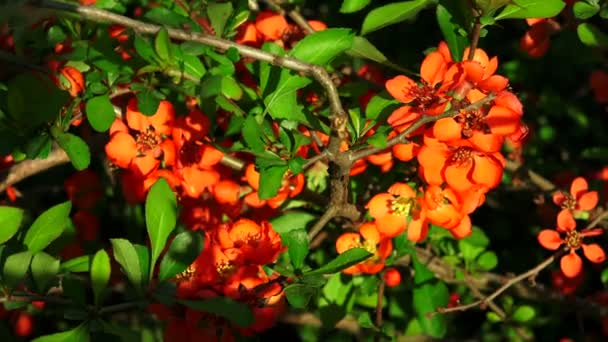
(579, 199)
(458, 155)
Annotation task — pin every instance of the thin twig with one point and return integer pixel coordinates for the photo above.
(313, 160)
(536, 179)
(422, 120)
(474, 37)
(379, 304)
(530, 274)
(27, 168)
(323, 220)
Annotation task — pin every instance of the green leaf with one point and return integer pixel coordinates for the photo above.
(15, 268)
(147, 102)
(291, 220)
(282, 102)
(391, 14)
(469, 251)
(100, 273)
(123, 332)
(427, 299)
(162, 45)
(271, 179)
(252, 134)
(322, 47)
(477, 238)
(236, 312)
(218, 14)
(100, 113)
(161, 217)
(297, 246)
(193, 66)
(299, 295)
(524, 314)
(10, 221)
(31, 111)
(44, 268)
(143, 254)
(522, 9)
(590, 35)
(380, 106)
(349, 258)
(76, 148)
(604, 276)
(182, 252)
(422, 274)
(585, 10)
(47, 227)
(351, 6)
(231, 88)
(449, 28)
(487, 260)
(78, 264)
(362, 48)
(211, 86)
(165, 16)
(78, 334)
(145, 50)
(493, 317)
(126, 255)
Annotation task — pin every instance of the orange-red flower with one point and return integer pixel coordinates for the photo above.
(143, 150)
(397, 209)
(75, 84)
(579, 198)
(571, 264)
(247, 241)
(292, 185)
(370, 239)
(461, 167)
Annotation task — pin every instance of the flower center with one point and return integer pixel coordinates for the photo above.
(190, 153)
(147, 140)
(573, 239)
(470, 121)
(402, 205)
(461, 156)
(224, 268)
(569, 202)
(369, 246)
(186, 274)
(424, 95)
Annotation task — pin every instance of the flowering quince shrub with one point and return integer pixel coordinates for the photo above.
(245, 170)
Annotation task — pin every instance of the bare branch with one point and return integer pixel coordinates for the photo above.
(27, 168)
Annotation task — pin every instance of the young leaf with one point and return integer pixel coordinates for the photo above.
(100, 113)
(44, 268)
(351, 6)
(78, 264)
(349, 258)
(585, 10)
(522, 9)
(147, 102)
(15, 268)
(282, 103)
(271, 179)
(322, 47)
(76, 148)
(100, 273)
(126, 255)
(298, 295)
(297, 246)
(161, 217)
(449, 28)
(591, 35)
(291, 220)
(218, 16)
(524, 314)
(391, 14)
(380, 106)
(427, 298)
(236, 312)
(181, 254)
(10, 220)
(80, 334)
(362, 48)
(162, 44)
(47, 227)
(487, 260)
(252, 134)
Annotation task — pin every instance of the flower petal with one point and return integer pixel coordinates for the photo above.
(369, 232)
(550, 239)
(121, 149)
(400, 87)
(571, 264)
(487, 171)
(391, 225)
(447, 129)
(463, 229)
(578, 187)
(433, 68)
(502, 120)
(594, 253)
(565, 221)
(494, 83)
(588, 200)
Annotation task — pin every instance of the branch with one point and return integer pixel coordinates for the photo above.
(538, 180)
(423, 120)
(27, 168)
(318, 72)
(294, 14)
(530, 274)
(379, 320)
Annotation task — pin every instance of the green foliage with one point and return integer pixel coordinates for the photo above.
(100, 273)
(76, 148)
(47, 227)
(126, 255)
(350, 257)
(521, 9)
(390, 14)
(10, 221)
(591, 35)
(100, 113)
(351, 6)
(161, 217)
(181, 253)
(44, 268)
(235, 312)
